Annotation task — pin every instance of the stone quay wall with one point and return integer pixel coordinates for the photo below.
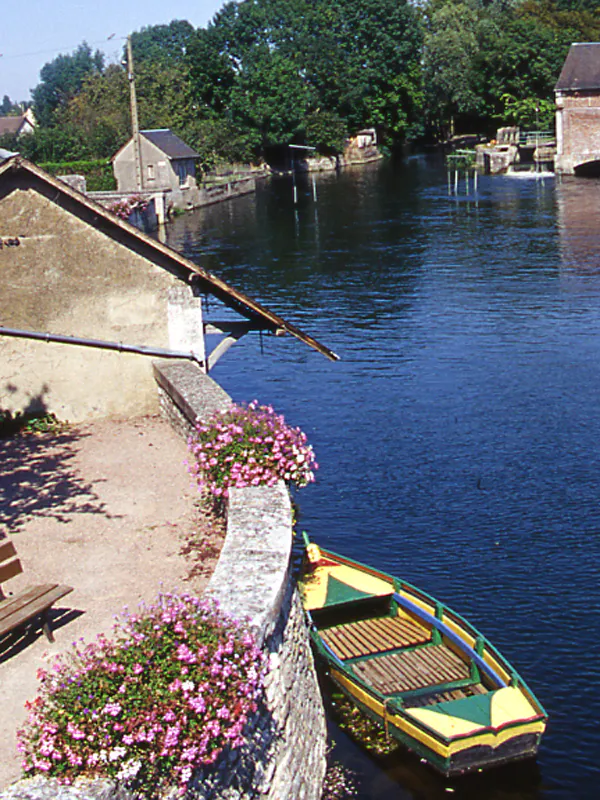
(284, 757)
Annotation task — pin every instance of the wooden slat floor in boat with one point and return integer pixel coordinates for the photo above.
(367, 636)
(443, 697)
(413, 669)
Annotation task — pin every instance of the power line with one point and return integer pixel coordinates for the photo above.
(110, 38)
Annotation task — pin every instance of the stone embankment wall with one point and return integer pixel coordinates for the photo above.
(284, 757)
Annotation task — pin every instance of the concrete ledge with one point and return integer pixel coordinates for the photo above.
(196, 395)
(252, 573)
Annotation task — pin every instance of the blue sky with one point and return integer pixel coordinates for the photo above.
(37, 31)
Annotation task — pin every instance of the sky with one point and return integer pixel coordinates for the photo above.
(36, 32)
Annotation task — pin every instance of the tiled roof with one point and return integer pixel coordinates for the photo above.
(10, 125)
(581, 70)
(170, 144)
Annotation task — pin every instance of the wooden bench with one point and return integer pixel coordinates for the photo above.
(33, 602)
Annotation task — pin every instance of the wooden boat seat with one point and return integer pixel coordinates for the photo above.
(445, 695)
(35, 601)
(412, 669)
(375, 635)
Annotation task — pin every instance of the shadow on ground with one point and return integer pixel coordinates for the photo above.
(39, 479)
(17, 640)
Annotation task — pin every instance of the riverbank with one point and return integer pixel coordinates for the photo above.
(109, 509)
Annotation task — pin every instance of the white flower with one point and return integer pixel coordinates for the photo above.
(187, 686)
(129, 769)
(117, 753)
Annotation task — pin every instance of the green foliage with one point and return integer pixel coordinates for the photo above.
(24, 422)
(161, 44)
(61, 79)
(218, 141)
(530, 113)
(326, 131)
(98, 173)
(65, 142)
(8, 108)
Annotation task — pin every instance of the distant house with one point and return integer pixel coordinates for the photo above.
(167, 162)
(578, 111)
(71, 268)
(17, 126)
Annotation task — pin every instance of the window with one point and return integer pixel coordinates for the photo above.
(150, 172)
(182, 172)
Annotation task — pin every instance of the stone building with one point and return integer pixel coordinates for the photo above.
(167, 162)
(71, 268)
(578, 111)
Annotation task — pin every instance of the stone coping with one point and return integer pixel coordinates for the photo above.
(252, 573)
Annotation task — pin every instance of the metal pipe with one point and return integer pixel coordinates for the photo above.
(139, 349)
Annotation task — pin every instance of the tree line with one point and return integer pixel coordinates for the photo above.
(266, 73)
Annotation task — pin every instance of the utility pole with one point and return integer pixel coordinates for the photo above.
(135, 127)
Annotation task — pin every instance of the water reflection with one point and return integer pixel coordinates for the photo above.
(578, 219)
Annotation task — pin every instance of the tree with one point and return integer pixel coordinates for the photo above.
(162, 44)
(451, 50)
(8, 108)
(61, 79)
(326, 131)
(269, 64)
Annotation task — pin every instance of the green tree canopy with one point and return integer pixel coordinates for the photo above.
(61, 79)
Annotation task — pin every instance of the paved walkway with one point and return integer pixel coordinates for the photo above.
(109, 509)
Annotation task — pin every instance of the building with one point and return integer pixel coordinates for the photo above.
(167, 162)
(17, 126)
(578, 111)
(71, 269)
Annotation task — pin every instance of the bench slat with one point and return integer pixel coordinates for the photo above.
(14, 611)
(7, 550)
(9, 569)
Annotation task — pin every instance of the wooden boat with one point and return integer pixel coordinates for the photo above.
(418, 668)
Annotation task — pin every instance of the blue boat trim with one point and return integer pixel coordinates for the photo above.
(453, 637)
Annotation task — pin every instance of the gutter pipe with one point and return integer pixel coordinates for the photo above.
(139, 349)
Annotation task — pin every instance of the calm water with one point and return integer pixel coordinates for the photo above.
(459, 435)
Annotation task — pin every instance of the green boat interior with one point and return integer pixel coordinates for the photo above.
(398, 655)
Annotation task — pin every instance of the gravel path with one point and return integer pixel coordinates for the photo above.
(109, 509)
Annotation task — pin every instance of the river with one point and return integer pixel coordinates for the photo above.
(457, 437)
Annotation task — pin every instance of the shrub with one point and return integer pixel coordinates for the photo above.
(249, 445)
(98, 173)
(125, 205)
(166, 695)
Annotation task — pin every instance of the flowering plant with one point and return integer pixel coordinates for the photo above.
(166, 695)
(250, 445)
(125, 205)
